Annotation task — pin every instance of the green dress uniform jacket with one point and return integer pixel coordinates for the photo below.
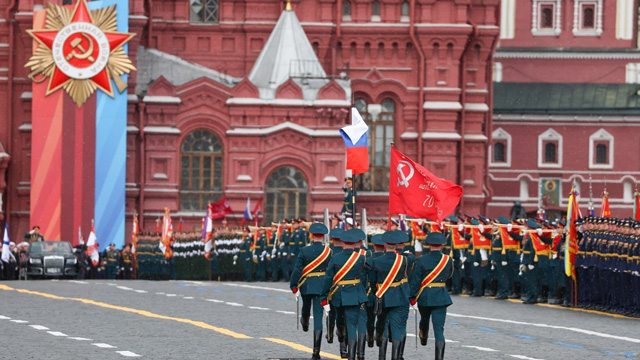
(431, 296)
(345, 295)
(313, 285)
(397, 295)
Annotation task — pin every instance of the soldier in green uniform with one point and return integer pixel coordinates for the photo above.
(348, 206)
(272, 247)
(284, 250)
(33, 235)
(126, 262)
(378, 247)
(307, 280)
(337, 319)
(343, 287)
(113, 261)
(246, 256)
(389, 281)
(429, 295)
(260, 250)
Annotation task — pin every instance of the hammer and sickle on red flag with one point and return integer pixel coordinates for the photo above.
(404, 179)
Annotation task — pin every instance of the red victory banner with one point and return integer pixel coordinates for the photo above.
(416, 192)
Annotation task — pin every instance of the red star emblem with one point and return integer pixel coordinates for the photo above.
(83, 49)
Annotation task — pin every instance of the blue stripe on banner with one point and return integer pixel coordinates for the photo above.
(111, 149)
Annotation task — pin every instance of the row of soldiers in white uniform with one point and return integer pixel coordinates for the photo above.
(366, 294)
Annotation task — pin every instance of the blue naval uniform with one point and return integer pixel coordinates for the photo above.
(435, 299)
(349, 293)
(311, 286)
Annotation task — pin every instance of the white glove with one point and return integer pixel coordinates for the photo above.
(284, 254)
(415, 306)
(481, 228)
(463, 259)
(530, 267)
(522, 267)
(509, 227)
(255, 257)
(268, 257)
(264, 253)
(274, 252)
(327, 309)
(555, 256)
(539, 231)
(281, 246)
(122, 269)
(297, 295)
(476, 264)
(235, 257)
(636, 273)
(460, 228)
(504, 263)
(419, 222)
(493, 267)
(215, 252)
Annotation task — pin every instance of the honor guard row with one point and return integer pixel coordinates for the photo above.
(357, 290)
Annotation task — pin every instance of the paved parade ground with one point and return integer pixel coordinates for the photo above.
(228, 320)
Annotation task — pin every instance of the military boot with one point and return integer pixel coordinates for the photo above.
(304, 321)
(395, 349)
(370, 337)
(440, 350)
(317, 341)
(401, 353)
(330, 335)
(344, 350)
(352, 349)
(361, 342)
(423, 337)
(382, 350)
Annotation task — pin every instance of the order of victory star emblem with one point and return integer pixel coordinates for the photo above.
(80, 51)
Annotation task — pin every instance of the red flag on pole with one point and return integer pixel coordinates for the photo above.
(636, 205)
(416, 192)
(606, 211)
(220, 209)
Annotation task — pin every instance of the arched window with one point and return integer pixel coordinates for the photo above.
(381, 121)
(200, 170)
(550, 154)
(286, 190)
(601, 154)
(375, 8)
(498, 152)
(405, 8)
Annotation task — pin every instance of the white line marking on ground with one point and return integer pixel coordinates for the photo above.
(582, 331)
(480, 348)
(524, 357)
(215, 301)
(39, 327)
(159, 293)
(141, 291)
(258, 308)
(2, 317)
(188, 298)
(19, 321)
(112, 284)
(171, 295)
(56, 333)
(103, 345)
(78, 282)
(80, 339)
(128, 354)
(286, 312)
(124, 288)
(256, 287)
(233, 304)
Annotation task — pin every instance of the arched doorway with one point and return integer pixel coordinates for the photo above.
(287, 194)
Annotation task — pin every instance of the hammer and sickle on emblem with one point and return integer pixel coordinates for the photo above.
(86, 54)
(405, 178)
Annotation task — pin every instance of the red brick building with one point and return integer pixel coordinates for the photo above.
(565, 105)
(245, 99)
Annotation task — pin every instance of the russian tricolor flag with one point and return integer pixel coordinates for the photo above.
(355, 139)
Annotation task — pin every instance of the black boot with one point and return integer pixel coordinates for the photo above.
(352, 349)
(401, 353)
(304, 321)
(340, 333)
(344, 349)
(439, 350)
(330, 335)
(370, 337)
(379, 338)
(382, 351)
(361, 342)
(395, 349)
(423, 337)
(317, 341)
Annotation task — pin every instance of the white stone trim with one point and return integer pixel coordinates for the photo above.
(624, 19)
(157, 190)
(162, 99)
(161, 130)
(331, 179)
(431, 135)
(549, 135)
(132, 98)
(557, 18)
(524, 189)
(409, 135)
(282, 126)
(567, 55)
(543, 119)
(442, 105)
(601, 135)
(497, 71)
(500, 134)
(132, 129)
(475, 137)
(508, 19)
(287, 102)
(161, 176)
(577, 18)
(632, 75)
(476, 107)
(26, 95)
(25, 127)
(244, 178)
